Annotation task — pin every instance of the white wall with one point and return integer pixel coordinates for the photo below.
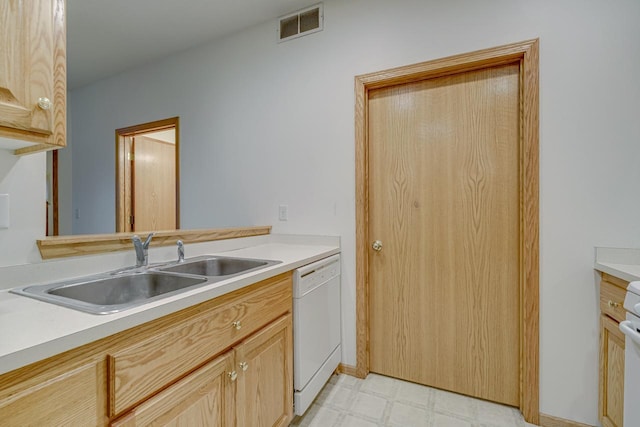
(24, 179)
(265, 123)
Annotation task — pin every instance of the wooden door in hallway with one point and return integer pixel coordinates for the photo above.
(148, 177)
(444, 202)
(154, 184)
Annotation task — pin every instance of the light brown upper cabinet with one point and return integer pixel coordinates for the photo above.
(33, 76)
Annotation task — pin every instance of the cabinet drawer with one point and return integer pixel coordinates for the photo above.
(612, 300)
(145, 367)
(203, 397)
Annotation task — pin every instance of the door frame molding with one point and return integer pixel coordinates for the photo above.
(526, 55)
(158, 125)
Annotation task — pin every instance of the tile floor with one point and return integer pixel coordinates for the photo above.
(381, 401)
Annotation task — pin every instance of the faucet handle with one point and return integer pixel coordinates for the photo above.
(145, 245)
(180, 251)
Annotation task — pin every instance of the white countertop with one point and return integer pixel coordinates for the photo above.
(32, 330)
(619, 262)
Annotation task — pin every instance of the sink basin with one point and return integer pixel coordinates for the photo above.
(112, 293)
(214, 266)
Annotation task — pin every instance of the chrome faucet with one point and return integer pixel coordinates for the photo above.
(180, 251)
(142, 254)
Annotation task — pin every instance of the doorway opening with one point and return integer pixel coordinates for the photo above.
(147, 177)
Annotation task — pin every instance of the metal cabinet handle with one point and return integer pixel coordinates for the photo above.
(44, 103)
(377, 246)
(237, 324)
(233, 375)
(614, 304)
(244, 366)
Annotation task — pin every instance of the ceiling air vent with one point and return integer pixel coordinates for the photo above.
(301, 23)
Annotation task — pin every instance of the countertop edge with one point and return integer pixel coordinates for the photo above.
(17, 359)
(617, 270)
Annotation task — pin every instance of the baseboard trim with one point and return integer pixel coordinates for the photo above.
(550, 421)
(347, 370)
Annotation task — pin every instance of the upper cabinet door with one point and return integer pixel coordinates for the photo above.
(33, 72)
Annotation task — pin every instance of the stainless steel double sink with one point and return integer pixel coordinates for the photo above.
(120, 290)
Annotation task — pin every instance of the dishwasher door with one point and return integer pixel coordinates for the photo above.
(316, 328)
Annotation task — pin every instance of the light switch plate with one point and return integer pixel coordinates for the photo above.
(283, 212)
(4, 211)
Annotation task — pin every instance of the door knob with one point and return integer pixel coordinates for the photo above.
(377, 246)
(44, 103)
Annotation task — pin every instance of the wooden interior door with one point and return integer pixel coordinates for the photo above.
(147, 176)
(444, 202)
(154, 184)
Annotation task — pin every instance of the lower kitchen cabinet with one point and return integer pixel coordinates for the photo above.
(224, 362)
(204, 398)
(62, 396)
(611, 373)
(265, 382)
(611, 404)
(251, 384)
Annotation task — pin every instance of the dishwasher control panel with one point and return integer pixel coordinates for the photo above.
(311, 276)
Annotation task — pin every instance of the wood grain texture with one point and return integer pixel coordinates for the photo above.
(444, 201)
(612, 300)
(66, 246)
(147, 366)
(125, 189)
(550, 421)
(74, 397)
(19, 382)
(265, 388)
(204, 398)
(347, 370)
(33, 65)
(529, 232)
(527, 54)
(155, 185)
(611, 396)
(615, 281)
(362, 229)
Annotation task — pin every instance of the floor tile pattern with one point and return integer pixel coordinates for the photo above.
(380, 401)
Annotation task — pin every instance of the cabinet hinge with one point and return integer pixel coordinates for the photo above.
(131, 219)
(131, 157)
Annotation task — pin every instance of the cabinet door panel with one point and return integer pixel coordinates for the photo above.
(611, 373)
(265, 384)
(140, 370)
(203, 398)
(33, 75)
(26, 64)
(72, 399)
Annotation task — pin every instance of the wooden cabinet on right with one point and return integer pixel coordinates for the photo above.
(612, 292)
(33, 79)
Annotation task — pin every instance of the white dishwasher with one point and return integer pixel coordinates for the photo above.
(631, 330)
(316, 328)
